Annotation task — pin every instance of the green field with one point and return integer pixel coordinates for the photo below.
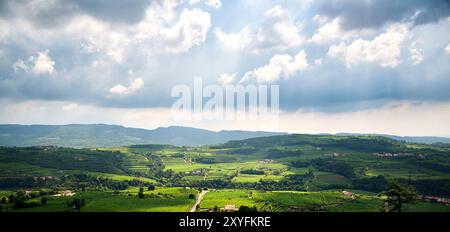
(283, 173)
(158, 200)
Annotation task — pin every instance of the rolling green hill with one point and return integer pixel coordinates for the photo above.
(101, 135)
(281, 173)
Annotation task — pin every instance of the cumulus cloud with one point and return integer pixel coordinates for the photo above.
(279, 66)
(212, 3)
(385, 49)
(99, 37)
(121, 90)
(163, 27)
(20, 65)
(416, 54)
(163, 30)
(42, 64)
(447, 49)
(154, 34)
(190, 30)
(328, 32)
(226, 79)
(278, 31)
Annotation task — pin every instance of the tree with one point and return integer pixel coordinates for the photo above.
(19, 203)
(77, 203)
(140, 194)
(44, 200)
(399, 194)
(216, 209)
(3, 200)
(191, 196)
(11, 198)
(151, 187)
(244, 208)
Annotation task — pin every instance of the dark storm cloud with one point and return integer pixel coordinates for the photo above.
(365, 86)
(374, 13)
(51, 14)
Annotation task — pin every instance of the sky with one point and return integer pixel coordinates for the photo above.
(359, 66)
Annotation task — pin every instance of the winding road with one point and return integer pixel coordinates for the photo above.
(199, 199)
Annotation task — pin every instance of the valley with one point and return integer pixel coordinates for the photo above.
(283, 173)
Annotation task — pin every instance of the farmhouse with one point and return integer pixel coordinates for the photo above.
(348, 194)
(65, 193)
(229, 208)
(266, 161)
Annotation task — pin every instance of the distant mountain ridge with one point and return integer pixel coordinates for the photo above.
(102, 135)
(410, 139)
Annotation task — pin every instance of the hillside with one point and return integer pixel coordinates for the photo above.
(101, 135)
(280, 173)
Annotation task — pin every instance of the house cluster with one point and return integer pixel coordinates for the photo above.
(65, 193)
(334, 154)
(402, 154)
(229, 208)
(348, 194)
(48, 147)
(45, 178)
(441, 200)
(188, 160)
(266, 161)
(196, 172)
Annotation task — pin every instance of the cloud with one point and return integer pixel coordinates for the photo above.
(20, 65)
(330, 31)
(163, 30)
(93, 55)
(278, 31)
(385, 49)
(164, 27)
(121, 90)
(56, 13)
(70, 106)
(395, 117)
(226, 79)
(279, 66)
(4, 30)
(447, 49)
(97, 37)
(392, 118)
(416, 54)
(212, 3)
(190, 30)
(376, 13)
(42, 64)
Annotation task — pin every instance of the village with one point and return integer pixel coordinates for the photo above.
(401, 154)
